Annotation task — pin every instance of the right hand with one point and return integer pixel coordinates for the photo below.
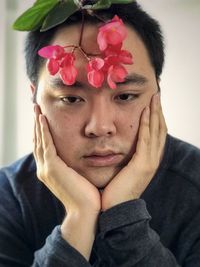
(80, 198)
(76, 193)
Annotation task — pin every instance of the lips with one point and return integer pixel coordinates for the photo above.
(103, 158)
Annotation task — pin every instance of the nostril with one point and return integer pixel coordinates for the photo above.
(96, 135)
(98, 126)
(92, 135)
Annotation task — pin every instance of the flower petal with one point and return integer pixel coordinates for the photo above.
(51, 51)
(125, 57)
(101, 40)
(96, 63)
(116, 74)
(95, 78)
(113, 37)
(110, 81)
(67, 60)
(53, 66)
(113, 32)
(68, 75)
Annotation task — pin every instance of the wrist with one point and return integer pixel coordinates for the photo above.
(79, 229)
(109, 201)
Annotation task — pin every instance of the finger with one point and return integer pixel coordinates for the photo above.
(163, 130)
(34, 139)
(144, 132)
(34, 135)
(155, 121)
(49, 149)
(38, 141)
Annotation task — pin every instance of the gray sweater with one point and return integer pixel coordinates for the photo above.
(162, 229)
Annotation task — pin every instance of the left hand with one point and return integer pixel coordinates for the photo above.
(134, 178)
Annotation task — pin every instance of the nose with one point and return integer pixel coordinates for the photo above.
(101, 120)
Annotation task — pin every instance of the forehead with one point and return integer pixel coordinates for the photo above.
(70, 35)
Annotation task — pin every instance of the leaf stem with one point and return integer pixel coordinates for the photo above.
(82, 28)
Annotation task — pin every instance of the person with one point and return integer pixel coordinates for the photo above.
(106, 184)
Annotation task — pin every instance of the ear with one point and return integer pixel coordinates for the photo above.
(158, 83)
(34, 92)
(33, 88)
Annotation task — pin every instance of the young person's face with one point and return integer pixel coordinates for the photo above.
(95, 130)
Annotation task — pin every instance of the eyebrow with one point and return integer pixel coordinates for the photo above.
(133, 78)
(58, 83)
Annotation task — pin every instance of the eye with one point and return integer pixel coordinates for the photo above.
(126, 97)
(71, 99)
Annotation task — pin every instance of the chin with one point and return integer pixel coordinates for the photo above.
(100, 177)
(100, 184)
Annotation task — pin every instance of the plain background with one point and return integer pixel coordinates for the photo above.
(180, 21)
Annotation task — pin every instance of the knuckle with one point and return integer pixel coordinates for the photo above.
(38, 149)
(144, 139)
(46, 152)
(39, 174)
(43, 173)
(145, 123)
(39, 141)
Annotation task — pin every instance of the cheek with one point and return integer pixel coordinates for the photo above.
(130, 120)
(61, 126)
(130, 126)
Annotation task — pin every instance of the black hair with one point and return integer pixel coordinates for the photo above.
(147, 28)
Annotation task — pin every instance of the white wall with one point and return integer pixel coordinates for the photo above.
(180, 20)
(15, 106)
(2, 48)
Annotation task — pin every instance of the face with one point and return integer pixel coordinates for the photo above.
(95, 130)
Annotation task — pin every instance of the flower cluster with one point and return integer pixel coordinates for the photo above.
(108, 66)
(60, 61)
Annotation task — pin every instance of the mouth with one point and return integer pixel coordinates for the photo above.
(103, 159)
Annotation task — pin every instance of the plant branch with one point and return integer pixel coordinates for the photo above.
(82, 28)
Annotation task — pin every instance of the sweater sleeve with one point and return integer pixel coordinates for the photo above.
(126, 238)
(57, 252)
(16, 248)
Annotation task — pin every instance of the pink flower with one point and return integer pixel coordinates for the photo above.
(53, 66)
(109, 65)
(95, 73)
(113, 67)
(52, 51)
(67, 60)
(110, 40)
(116, 74)
(68, 72)
(125, 57)
(121, 56)
(60, 61)
(112, 33)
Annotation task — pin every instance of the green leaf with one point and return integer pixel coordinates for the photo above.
(121, 1)
(102, 4)
(59, 14)
(33, 18)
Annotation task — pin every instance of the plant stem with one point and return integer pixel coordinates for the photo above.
(99, 18)
(82, 28)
